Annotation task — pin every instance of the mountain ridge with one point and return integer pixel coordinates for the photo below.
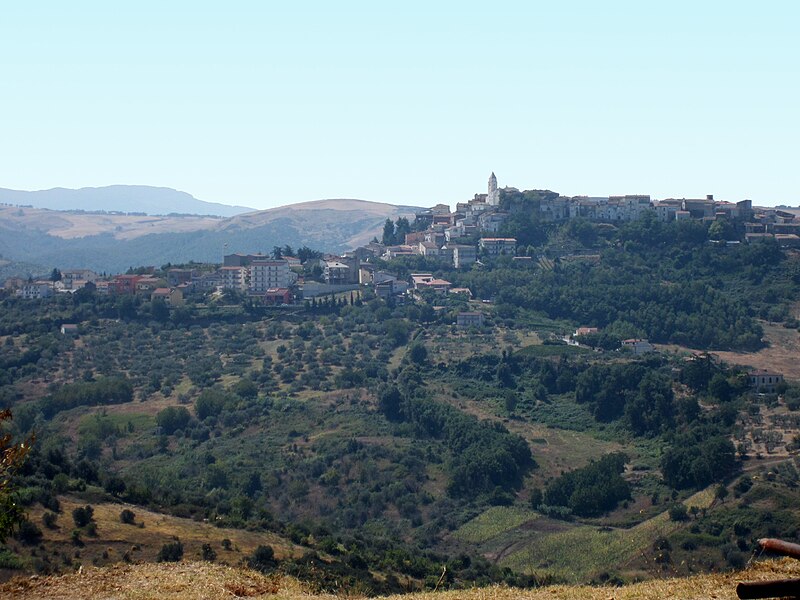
(153, 200)
(114, 242)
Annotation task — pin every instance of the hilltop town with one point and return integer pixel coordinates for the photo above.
(476, 231)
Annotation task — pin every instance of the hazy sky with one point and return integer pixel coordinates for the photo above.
(268, 103)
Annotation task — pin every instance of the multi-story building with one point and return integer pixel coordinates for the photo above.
(463, 255)
(498, 246)
(336, 272)
(242, 260)
(266, 274)
(36, 290)
(234, 278)
(176, 277)
(125, 284)
(765, 381)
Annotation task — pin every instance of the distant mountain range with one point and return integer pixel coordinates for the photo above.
(111, 242)
(121, 198)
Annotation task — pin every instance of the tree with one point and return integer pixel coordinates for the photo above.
(12, 456)
(277, 253)
(159, 310)
(388, 238)
(418, 353)
(55, 275)
(173, 418)
(721, 492)
(29, 533)
(390, 403)
(83, 515)
(402, 227)
(721, 229)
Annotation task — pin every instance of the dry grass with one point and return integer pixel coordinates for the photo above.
(158, 529)
(555, 450)
(73, 225)
(780, 355)
(196, 581)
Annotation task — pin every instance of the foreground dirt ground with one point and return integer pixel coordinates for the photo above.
(196, 581)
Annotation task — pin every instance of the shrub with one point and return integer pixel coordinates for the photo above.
(209, 553)
(678, 512)
(263, 559)
(29, 533)
(49, 520)
(127, 516)
(173, 418)
(82, 516)
(170, 552)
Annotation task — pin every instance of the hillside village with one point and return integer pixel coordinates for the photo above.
(460, 239)
(364, 374)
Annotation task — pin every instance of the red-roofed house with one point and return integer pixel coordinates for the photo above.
(171, 296)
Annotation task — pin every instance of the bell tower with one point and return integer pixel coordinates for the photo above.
(493, 197)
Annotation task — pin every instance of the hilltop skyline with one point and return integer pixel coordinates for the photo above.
(261, 106)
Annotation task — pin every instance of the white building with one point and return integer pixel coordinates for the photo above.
(234, 278)
(266, 274)
(463, 255)
(498, 246)
(36, 290)
(638, 346)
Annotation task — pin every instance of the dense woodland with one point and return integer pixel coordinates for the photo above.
(363, 430)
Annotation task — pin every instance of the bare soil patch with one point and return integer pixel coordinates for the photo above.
(781, 354)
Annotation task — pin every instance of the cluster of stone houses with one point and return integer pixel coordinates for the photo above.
(448, 237)
(483, 215)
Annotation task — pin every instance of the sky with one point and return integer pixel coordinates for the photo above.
(269, 103)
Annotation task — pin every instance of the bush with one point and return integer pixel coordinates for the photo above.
(82, 516)
(29, 533)
(209, 553)
(173, 418)
(678, 512)
(127, 516)
(49, 520)
(170, 552)
(263, 559)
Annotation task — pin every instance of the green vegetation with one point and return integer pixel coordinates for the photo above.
(384, 442)
(591, 490)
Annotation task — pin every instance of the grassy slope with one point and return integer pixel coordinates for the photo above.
(526, 542)
(195, 581)
(142, 543)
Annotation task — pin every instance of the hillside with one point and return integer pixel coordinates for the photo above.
(196, 581)
(123, 198)
(115, 242)
(383, 437)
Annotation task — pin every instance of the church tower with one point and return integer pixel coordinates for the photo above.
(493, 197)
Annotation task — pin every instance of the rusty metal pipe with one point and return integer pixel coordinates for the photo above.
(780, 588)
(780, 547)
